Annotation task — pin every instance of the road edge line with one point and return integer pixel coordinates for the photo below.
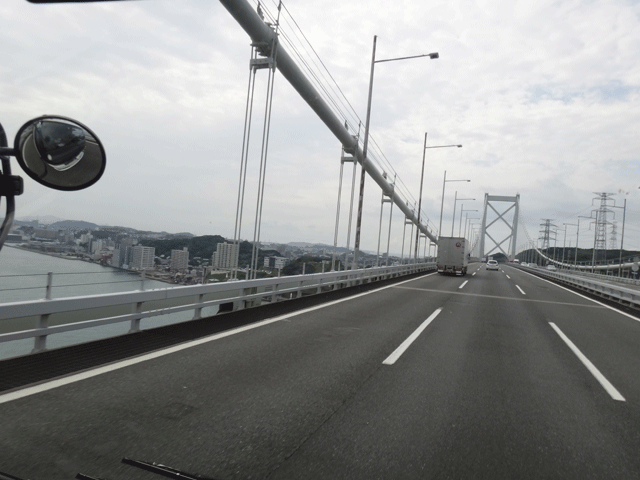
(610, 389)
(584, 296)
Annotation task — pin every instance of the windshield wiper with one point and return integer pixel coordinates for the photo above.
(164, 470)
(6, 476)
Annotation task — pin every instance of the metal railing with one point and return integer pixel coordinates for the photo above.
(48, 285)
(609, 265)
(592, 284)
(227, 296)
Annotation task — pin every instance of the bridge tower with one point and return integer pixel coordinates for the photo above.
(513, 203)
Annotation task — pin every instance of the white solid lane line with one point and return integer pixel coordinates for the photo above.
(391, 359)
(521, 291)
(463, 284)
(611, 390)
(586, 298)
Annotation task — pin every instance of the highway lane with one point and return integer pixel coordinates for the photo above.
(486, 393)
(487, 390)
(609, 339)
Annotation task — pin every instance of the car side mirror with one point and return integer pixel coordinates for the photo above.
(60, 153)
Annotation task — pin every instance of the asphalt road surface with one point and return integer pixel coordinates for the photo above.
(495, 375)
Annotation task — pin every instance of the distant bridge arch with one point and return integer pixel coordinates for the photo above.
(513, 203)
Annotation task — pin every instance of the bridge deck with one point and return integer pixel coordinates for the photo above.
(487, 388)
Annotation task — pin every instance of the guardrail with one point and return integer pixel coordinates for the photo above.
(50, 316)
(626, 263)
(609, 278)
(608, 290)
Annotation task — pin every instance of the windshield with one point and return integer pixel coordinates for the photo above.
(268, 160)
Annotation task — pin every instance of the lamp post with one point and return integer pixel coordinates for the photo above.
(462, 209)
(624, 214)
(356, 248)
(555, 243)
(473, 229)
(424, 150)
(594, 240)
(444, 183)
(575, 258)
(453, 221)
(467, 221)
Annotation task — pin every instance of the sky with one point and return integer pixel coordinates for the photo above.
(544, 97)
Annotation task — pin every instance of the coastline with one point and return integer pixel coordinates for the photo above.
(56, 255)
(153, 275)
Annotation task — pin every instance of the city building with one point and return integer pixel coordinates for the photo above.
(226, 256)
(275, 262)
(142, 257)
(179, 260)
(115, 259)
(97, 245)
(45, 234)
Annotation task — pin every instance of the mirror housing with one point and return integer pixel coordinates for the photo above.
(60, 153)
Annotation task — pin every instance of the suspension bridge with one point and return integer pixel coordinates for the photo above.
(391, 371)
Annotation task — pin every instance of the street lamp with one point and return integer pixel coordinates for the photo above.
(594, 239)
(424, 150)
(356, 248)
(444, 183)
(555, 243)
(624, 214)
(453, 221)
(575, 260)
(462, 209)
(467, 221)
(474, 227)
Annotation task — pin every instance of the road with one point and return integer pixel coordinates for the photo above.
(506, 376)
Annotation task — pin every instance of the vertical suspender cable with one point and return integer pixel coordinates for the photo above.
(410, 241)
(390, 218)
(265, 146)
(353, 192)
(404, 231)
(335, 236)
(264, 175)
(380, 228)
(261, 179)
(243, 166)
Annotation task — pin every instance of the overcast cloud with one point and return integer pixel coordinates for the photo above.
(543, 95)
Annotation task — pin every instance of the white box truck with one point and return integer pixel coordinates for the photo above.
(453, 255)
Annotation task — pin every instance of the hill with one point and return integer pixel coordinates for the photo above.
(73, 225)
(203, 246)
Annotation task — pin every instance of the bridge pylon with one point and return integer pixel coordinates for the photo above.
(513, 203)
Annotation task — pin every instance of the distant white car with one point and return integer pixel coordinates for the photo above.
(492, 265)
(524, 264)
(552, 268)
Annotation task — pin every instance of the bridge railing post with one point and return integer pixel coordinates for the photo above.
(135, 322)
(197, 313)
(40, 342)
